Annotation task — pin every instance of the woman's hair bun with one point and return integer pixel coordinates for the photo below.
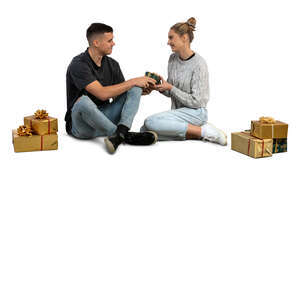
(191, 22)
(187, 27)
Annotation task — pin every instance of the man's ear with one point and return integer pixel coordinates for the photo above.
(96, 43)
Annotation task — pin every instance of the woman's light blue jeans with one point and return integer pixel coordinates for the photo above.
(173, 124)
(90, 121)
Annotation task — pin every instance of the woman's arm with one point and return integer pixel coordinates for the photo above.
(199, 95)
(166, 93)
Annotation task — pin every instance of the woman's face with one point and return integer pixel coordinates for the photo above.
(175, 41)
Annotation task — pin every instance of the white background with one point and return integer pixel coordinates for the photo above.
(177, 220)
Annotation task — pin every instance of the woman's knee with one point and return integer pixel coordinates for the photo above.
(151, 123)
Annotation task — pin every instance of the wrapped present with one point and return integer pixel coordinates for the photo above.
(24, 140)
(252, 146)
(41, 123)
(279, 145)
(268, 128)
(154, 76)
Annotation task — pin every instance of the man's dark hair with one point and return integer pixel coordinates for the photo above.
(97, 28)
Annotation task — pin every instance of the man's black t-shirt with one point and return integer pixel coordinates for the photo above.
(81, 72)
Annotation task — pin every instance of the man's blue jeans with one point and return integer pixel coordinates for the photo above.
(90, 121)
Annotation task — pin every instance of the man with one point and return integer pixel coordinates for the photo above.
(99, 100)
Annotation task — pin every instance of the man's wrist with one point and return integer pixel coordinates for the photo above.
(131, 83)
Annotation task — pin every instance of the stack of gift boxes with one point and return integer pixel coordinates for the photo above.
(266, 137)
(38, 133)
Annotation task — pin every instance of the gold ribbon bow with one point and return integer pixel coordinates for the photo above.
(267, 120)
(41, 114)
(24, 130)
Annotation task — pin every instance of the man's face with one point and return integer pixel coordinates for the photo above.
(105, 43)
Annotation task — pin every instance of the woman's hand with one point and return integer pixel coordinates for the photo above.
(164, 86)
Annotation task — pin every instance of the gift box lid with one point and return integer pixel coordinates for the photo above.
(268, 131)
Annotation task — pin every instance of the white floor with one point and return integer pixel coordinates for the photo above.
(176, 220)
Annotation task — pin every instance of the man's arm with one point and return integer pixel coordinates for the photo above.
(106, 92)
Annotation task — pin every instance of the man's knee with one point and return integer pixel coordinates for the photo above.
(87, 105)
(136, 89)
(135, 92)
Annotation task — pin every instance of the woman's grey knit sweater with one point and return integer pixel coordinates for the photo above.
(190, 82)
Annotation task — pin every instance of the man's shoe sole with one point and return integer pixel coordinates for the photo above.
(155, 136)
(109, 146)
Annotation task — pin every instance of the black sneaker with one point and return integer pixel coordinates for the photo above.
(113, 142)
(141, 138)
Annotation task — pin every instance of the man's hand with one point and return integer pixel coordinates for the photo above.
(164, 86)
(147, 91)
(144, 82)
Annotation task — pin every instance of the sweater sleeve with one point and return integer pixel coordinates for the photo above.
(166, 93)
(199, 95)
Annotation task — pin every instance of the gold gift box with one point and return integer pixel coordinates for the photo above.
(244, 143)
(34, 142)
(41, 126)
(278, 130)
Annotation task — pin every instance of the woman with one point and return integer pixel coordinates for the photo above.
(187, 85)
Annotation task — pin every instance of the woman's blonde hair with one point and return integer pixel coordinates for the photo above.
(186, 27)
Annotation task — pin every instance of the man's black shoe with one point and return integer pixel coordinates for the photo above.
(113, 142)
(140, 138)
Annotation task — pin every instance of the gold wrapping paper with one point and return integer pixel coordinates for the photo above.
(244, 143)
(41, 126)
(34, 142)
(277, 130)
